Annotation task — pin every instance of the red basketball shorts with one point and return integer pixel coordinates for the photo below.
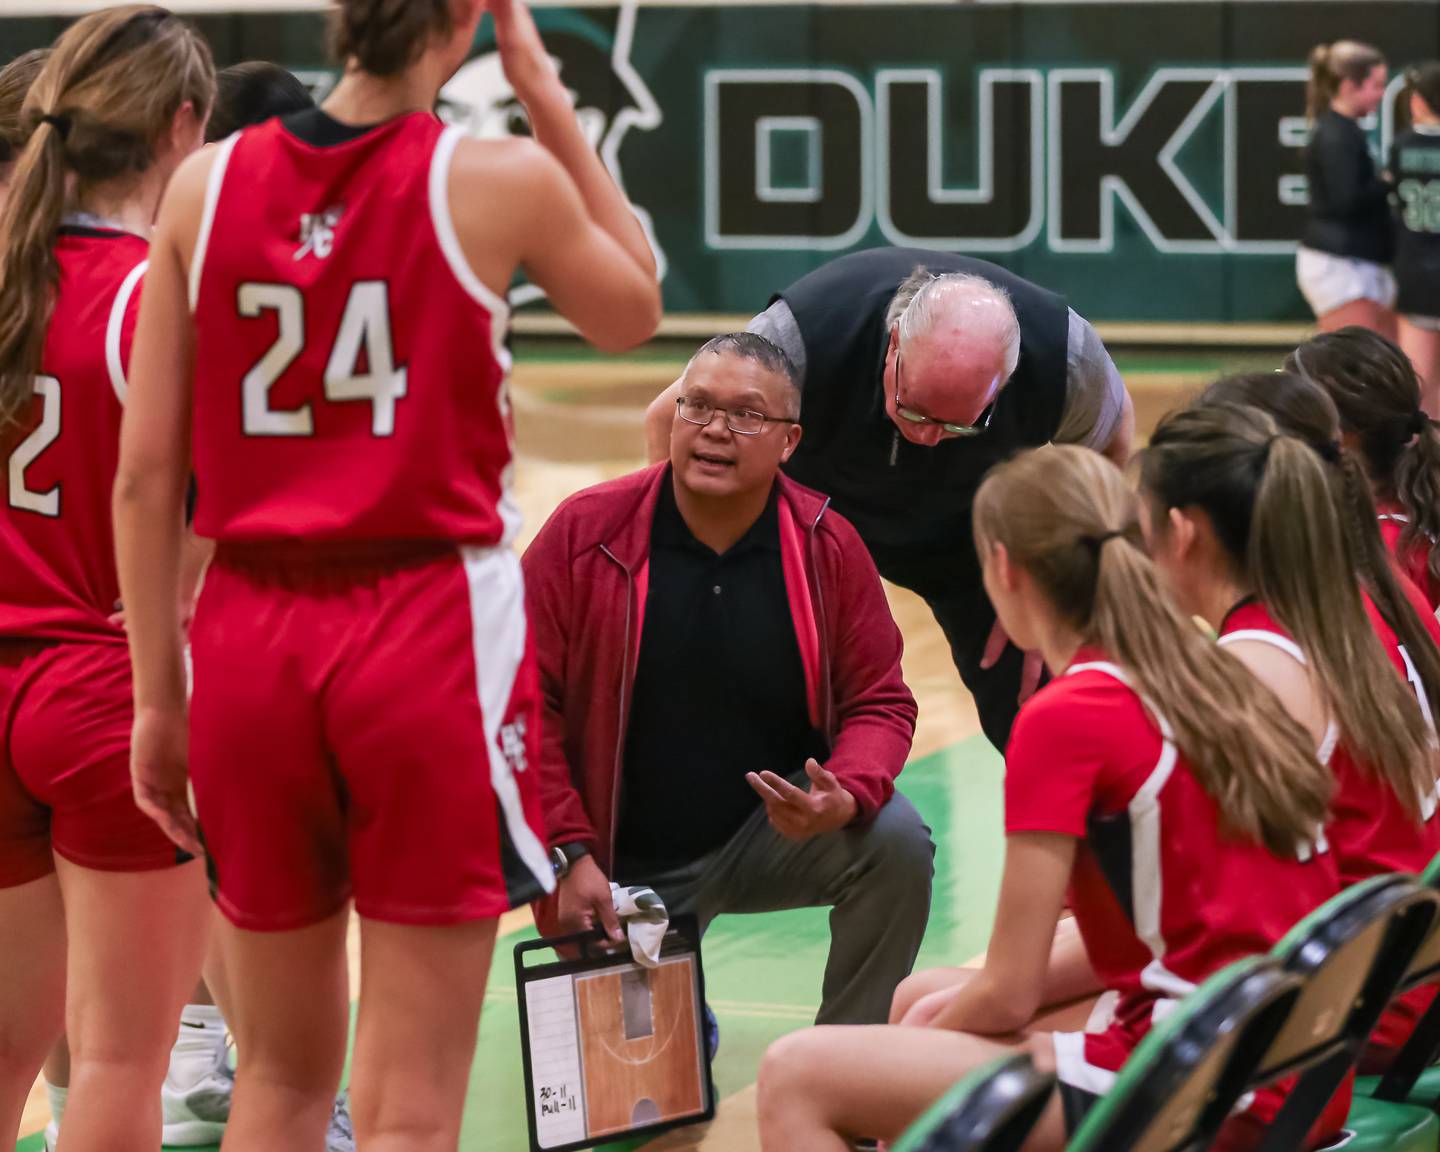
(66, 710)
(367, 730)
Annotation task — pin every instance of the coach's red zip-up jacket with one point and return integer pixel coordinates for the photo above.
(586, 576)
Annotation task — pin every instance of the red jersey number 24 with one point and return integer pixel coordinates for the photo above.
(364, 327)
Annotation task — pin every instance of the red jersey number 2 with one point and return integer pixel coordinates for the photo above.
(364, 327)
(22, 497)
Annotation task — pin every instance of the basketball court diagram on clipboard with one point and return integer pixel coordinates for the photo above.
(612, 1048)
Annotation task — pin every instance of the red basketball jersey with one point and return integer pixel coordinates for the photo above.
(1413, 561)
(1370, 831)
(350, 367)
(57, 546)
(1089, 759)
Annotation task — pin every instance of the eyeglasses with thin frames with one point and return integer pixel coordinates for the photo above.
(741, 421)
(982, 423)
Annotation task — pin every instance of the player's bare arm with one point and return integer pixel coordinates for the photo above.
(531, 71)
(531, 214)
(149, 508)
(1007, 993)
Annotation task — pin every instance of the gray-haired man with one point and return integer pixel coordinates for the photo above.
(920, 371)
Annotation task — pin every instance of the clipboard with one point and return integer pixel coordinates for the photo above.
(612, 1049)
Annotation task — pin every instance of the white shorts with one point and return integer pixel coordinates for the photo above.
(1330, 282)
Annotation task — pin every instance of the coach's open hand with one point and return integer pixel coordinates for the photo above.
(585, 901)
(799, 815)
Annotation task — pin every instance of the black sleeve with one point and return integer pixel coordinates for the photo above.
(1350, 185)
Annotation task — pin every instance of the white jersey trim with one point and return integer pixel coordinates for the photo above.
(1293, 650)
(498, 626)
(1073, 1069)
(1145, 832)
(449, 241)
(207, 218)
(115, 328)
(1393, 518)
(445, 235)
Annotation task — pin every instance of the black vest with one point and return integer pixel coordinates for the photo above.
(905, 498)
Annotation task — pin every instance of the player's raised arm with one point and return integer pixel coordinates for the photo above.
(580, 239)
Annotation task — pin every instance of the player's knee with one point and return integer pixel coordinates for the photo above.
(907, 993)
(787, 1066)
(23, 1048)
(398, 1121)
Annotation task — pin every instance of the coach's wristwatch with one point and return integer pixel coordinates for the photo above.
(564, 856)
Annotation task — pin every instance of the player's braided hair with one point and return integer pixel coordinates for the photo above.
(386, 36)
(111, 87)
(1302, 408)
(1274, 512)
(1066, 516)
(1377, 393)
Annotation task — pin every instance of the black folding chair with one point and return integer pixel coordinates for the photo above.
(1351, 953)
(991, 1110)
(1183, 1079)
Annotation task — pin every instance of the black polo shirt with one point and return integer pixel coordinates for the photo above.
(719, 692)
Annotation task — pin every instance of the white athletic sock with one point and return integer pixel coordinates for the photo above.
(56, 1097)
(202, 1029)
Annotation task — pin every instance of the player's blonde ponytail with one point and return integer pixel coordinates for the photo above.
(110, 88)
(16, 79)
(1066, 516)
(1269, 499)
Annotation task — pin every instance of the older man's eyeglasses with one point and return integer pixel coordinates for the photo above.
(920, 418)
(743, 421)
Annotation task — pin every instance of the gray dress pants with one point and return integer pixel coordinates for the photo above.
(875, 880)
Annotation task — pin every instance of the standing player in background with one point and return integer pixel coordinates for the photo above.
(1246, 522)
(120, 102)
(365, 711)
(1377, 392)
(1415, 172)
(1345, 249)
(1143, 710)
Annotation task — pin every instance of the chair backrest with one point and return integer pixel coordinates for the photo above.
(1425, 965)
(1183, 1079)
(991, 1110)
(1351, 952)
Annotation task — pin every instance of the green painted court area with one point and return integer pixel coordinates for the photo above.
(763, 973)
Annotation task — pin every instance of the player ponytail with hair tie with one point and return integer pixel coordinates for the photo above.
(1066, 516)
(110, 87)
(1301, 408)
(1270, 500)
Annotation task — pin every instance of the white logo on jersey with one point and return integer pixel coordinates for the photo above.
(317, 232)
(512, 745)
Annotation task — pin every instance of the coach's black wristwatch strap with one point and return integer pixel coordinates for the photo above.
(564, 856)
